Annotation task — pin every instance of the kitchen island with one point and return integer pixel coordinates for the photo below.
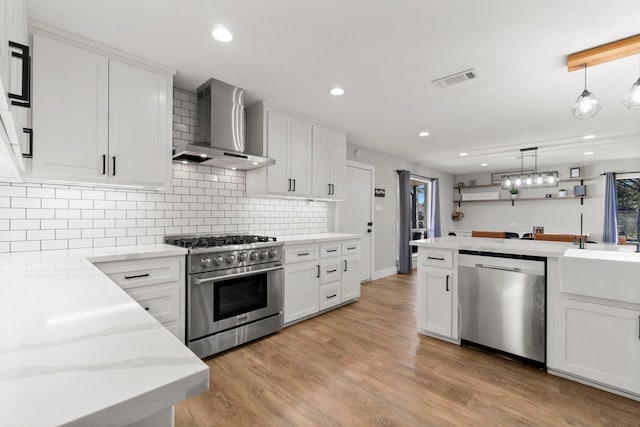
(592, 327)
(76, 349)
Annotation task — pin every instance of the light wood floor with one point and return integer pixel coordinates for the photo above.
(365, 365)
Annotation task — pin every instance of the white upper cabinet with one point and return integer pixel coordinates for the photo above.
(329, 158)
(285, 138)
(70, 114)
(97, 118)
(14, 86)
(310, 157)
(138, 112)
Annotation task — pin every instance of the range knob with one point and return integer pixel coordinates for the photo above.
(230, 259)
(264, 255)
(242, 256)
(253, 256)
(218, 260)
(205, 262)
(272, 253)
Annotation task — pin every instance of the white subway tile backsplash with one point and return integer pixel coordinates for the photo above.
(203, 199)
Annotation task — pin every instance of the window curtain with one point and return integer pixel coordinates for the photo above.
(434, 200)
(404, 222)
(610, 233)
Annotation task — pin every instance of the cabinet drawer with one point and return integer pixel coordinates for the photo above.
(330, 270)
(300, 254)
(436, 258)
(349, 248)
(162, 302)
(132, 274)
(330, 250)
(329, 295)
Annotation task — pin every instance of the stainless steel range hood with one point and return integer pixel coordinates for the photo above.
(221, 130)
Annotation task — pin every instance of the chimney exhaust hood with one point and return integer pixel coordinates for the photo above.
(221, 128)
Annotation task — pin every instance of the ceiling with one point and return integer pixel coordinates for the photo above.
(386, 53)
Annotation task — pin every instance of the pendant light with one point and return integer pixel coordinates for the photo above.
(587, 105)
(632, 99)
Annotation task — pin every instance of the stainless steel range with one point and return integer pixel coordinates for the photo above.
(234, 289)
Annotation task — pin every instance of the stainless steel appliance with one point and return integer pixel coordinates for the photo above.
(502, 301)
(221, 128)
(234, 290)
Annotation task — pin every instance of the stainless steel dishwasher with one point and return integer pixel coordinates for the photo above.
(502, 301)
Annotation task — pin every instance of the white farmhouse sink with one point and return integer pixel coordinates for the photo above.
(601, 274)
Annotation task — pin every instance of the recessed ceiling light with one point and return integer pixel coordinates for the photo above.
(184, 162)
(336, 91)
(484, 164)
(464, 154)
(588, 153)
(203, 155)
(222, 34)
(423, 133)
(254, 163)
(588, 137)
(234, 169)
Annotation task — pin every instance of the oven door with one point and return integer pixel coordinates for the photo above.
(215, 304)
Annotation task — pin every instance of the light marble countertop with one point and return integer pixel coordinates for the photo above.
(513, 246)
(76, 349)
(316, 238)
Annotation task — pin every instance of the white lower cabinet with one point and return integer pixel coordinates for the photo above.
(157, 284)
(437, 304)
(318, 277)
(601, 343)
(301, 298)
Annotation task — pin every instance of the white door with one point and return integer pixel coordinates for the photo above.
(355, 212)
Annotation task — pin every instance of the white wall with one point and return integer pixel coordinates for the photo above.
(385, 220)
(555, 215)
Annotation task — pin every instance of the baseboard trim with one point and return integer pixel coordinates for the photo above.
(379, 274)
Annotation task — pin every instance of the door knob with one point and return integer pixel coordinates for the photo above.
(368, 230)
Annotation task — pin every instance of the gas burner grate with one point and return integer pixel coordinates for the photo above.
(193, 242)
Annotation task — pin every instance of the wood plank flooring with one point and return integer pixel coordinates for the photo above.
(365, 365)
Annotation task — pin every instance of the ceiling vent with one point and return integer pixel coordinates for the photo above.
(456, 78)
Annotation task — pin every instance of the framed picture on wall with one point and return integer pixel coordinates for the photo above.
(574, 172)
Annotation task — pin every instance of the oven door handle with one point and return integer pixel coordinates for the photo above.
(197, 281)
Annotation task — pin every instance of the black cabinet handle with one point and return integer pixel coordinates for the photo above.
(303, 253)
(136, 276)
(345, 265)
(318, 273)
(436, 258)
(23, 99)
(332, 250)
(350, 248)
(146, 308)
(447, 283)
(329, 192)
(114, 165)
(29, 132)
(104, 164)
(289, 185)
(331, 296)
(294, 185)
(332, 271)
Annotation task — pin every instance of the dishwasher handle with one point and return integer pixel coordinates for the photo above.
(498, 267)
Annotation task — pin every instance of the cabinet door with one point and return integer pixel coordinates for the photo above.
(70, 108)
(350, 277)
(300, 156)
(277, 134)
(320, 168)
(301, 291)
(337, 163)
(435, 308)
(139, 144)
(601, 343)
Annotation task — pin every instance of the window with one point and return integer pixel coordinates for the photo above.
(628, 190)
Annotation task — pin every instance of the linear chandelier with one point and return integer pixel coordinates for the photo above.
(529, 179)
